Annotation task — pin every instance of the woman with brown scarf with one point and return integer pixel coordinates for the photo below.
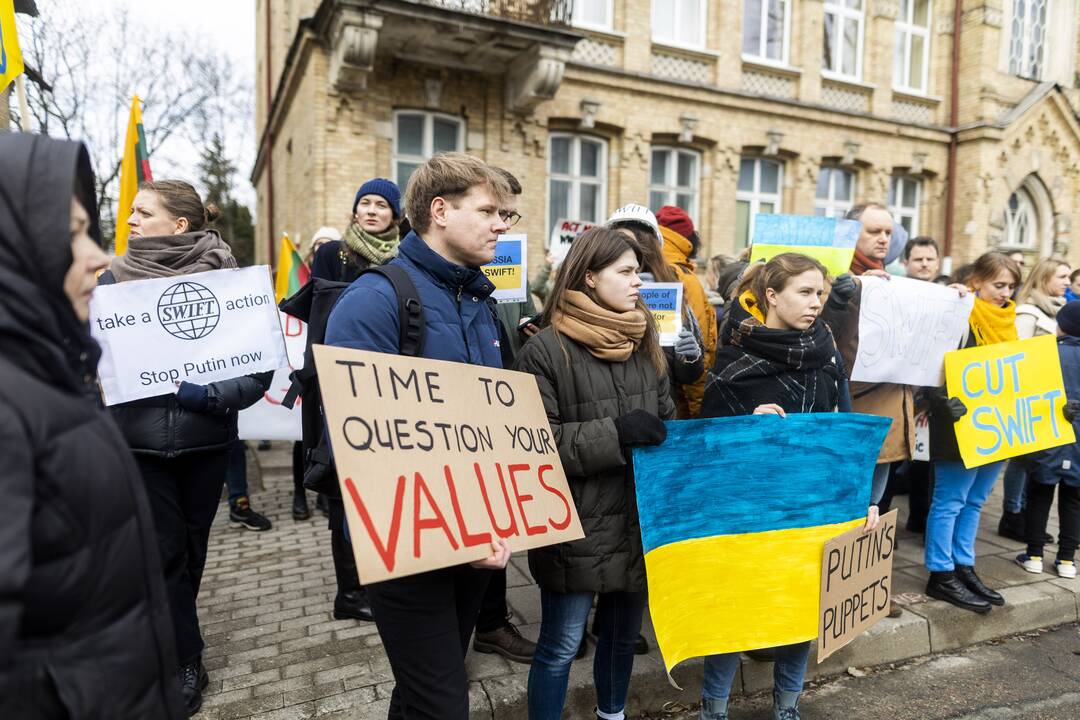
(604, 383)
(181, 441)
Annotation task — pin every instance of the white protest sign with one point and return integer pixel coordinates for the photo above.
(905, 328)
(200, 328)
(563, 234)
(922, 438)
(664, 300)
(508, 271)
(268, 419)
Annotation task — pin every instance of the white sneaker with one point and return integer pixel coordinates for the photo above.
(1032, 564)
(1065, 568)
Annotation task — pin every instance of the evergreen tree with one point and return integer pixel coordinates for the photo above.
(234, 221)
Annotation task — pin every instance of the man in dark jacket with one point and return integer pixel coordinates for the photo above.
(84, 619)
(455, 205)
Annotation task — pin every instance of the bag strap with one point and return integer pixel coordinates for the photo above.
(410, 310)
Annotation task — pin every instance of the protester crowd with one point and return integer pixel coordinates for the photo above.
(100, 567)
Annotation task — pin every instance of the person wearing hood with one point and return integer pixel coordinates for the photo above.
(181, 441)
(371, 239)
(84, 619)
(677, 231)
(321, 236)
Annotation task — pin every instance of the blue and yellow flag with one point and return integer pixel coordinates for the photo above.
(734, 517)
(11, 62)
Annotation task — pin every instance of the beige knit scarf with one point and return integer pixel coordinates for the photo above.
(606, 334)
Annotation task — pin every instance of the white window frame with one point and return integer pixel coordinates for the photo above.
(763, 32)
(699, 22)
(428, 138)
(1021, 41)
(906, 27)
(670, 188)
(830, 205)
(576, 180)
(897, 207)
(1026, 208)
(755, 196)
(843, 15)
(601, 27)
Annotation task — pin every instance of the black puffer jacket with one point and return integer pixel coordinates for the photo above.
(159, 426)
(583, 395)
(85, 630)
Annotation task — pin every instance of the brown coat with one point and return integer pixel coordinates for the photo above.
(882, 399)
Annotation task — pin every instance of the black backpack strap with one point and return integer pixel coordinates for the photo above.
(410, 310)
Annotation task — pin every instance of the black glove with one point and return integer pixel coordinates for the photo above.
(640, 427)
(956, 408)
(843, 289)
(1071, 409)
(195, 398)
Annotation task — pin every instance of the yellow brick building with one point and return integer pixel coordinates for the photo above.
(727, 108)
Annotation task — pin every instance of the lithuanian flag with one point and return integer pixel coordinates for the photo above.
(11, 62)
(292, 271)
(134, 169)
(735, 513)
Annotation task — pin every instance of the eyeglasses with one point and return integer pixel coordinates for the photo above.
(510, 218)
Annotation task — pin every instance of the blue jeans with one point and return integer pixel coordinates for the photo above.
(953, 521)
(236, 474)
(1015, 485)
(789, 669)
(562, 626)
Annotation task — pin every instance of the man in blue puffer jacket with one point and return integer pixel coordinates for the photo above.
(453, 202)
(1058, 466)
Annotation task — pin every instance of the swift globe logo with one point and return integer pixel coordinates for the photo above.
(188, 310)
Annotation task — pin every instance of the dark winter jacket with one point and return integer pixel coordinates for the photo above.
(85, 631)
(1062, 464)
(583, 395)
(158, 426)
(460, 324)
(940, 425)
(331, 263)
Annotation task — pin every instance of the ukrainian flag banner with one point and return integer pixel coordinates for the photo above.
(735, 513)
(828, 240)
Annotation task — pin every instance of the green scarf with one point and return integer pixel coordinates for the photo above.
(376, 249)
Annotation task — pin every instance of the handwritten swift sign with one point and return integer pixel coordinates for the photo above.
(905, 328)
(200, 328)
(856, 584)
(508, 271)
(664, 301)
(1014, 395)
(437, 458)
(563, 234)
(828, 240)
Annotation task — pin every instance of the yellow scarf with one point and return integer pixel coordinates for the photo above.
(992, 324)
(750, 305)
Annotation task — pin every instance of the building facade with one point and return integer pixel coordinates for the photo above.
(727, 108)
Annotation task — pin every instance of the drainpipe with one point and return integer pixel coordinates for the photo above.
(954, 120)
(269, 145)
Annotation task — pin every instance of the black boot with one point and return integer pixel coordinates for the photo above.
(193, 679)
(1012, 526)
(353, 605)
(945, 586)
(966, 575)
(300, 509)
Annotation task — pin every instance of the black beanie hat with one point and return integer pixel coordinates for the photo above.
(1068, 318)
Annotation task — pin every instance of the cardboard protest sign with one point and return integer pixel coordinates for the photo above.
(664, 301)
(828, 240)
(905, 328)
(563, 234)
(722, 499)
(922, 438)
(268, 419)
(200, 328)
(856, 584)
(508, 271)
(1014, 396)
(437, 458)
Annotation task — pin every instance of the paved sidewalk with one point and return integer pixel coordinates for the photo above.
(274, 652)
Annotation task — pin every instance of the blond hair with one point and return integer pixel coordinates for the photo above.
(1035, 289)
(450, 176)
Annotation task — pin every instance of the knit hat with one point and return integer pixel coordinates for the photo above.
(675, 218)
(633, 213)
(325, 233)
(385, 189)
(1068, 318)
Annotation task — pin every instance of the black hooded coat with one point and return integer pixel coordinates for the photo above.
(85, 630)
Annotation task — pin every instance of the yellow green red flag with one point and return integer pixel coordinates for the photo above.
(292, 271)
(134, 169)
(11, 62)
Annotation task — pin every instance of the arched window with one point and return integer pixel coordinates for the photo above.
(1021, 221)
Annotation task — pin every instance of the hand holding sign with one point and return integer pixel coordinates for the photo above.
(664, 301)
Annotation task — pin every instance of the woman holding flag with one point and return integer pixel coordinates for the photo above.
(181, 441)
